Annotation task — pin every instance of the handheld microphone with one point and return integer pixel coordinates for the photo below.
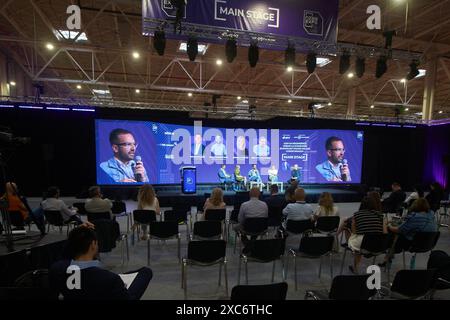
(138, 176)
(343, 176)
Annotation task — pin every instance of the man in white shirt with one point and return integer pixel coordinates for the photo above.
(299, 210)
(55, 204)
(96, 204)
(254, 208)
(218, 149)
(198, 148)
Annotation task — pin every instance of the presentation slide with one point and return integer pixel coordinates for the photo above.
(136, 152)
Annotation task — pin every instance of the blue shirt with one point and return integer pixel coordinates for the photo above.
(119, 171)
(261, 151)
(253, 175)
(86, 264)
(330, 172)
(418, 222)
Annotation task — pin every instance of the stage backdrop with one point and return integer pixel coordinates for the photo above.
(165, 148)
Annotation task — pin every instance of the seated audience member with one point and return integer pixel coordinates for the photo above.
(326, 206)
(95, 283)
(254, 208)
(275, 200)
(52, 202)
(395, 200)
(20, 204)
(416, 194)
(290, 192)
(147, 200)
(215, 201)
(300, 210)
(96, 204)
(369, 219)
(435, 196)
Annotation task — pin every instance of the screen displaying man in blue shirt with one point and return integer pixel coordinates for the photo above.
(262, 149)
(336, 167)
(123, 167)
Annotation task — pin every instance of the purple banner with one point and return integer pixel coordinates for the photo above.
(309, 19)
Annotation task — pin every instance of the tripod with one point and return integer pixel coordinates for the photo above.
(4, 204)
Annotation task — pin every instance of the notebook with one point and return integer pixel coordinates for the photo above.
(128, 278)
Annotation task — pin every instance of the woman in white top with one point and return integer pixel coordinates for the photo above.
(418, 193)
(215, 201)
(326, 206)
(147, 200)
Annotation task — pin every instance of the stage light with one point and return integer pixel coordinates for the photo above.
(253, 55)
(360, 66)
(192, 48)
(50, 46)
(344, 63)
(311, 62)
(350, 75)
(138, 91)
(330, 104)
(245, 101)
(239, 98)
(289, 69)
(136, 55)
(372, 106)
(12, 83)
(78, 87)
(289, 56)
(381, 67)
(440, 112)
(159, 42)
(231, 50)
(413, 71)
(219, 62)
(403, 80)
(190, 94)
(289, 101)
(407, 109)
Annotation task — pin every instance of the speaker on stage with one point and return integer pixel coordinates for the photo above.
(188, 180)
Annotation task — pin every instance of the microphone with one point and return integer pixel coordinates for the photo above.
(343, 176)
(138, 176)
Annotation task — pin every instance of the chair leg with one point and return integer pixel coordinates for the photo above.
(179, 254)
(128, 249)
(404, 260)
(320, 267)
(246, 271)
(226, 276)
(148, 252)
(295, 272)
(331, 266)
(283, 270)
(273, 270)
(185, 282)
(128, 223)
(343, 261)
(239, 270)
(220, 274)
(235, 242)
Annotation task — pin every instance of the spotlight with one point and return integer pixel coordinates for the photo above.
(78, 87)
(219, 62)
(239, 97)
(159, 42)
(289, 101)
(350, 75)
(407, 109)
(253, 55)
(50, 46)
(289, 69)
(381, 67)
(344, 63)
(192, 48)
(231, 50)
(372, 106)
(138, 91)
(440, 112)
(311, 62)
(136, 55)
(360, 66)
(190, 94)
(12, 83)
(330, 104)
(413, 71)
(403, 80)
(289, 56)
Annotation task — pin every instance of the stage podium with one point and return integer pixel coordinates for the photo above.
(188, 179)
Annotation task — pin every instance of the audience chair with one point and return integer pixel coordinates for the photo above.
(263, 251)
(33, 285)
(232, 220)
(275, 216)
(55, 219)
(422, 242)
(273, 292)
(164, 230)
(142, 217)
(12, 266)
(108, 232)
(413, 284)
(205, 253)
(296, 227)
(314, 248)
(253, 227)
(348, 287)
(207, 230)
(81, 209)
(180, 215)
(92, 217)
(119, 209)
(440, 261)
(329, 225)
(217, 215)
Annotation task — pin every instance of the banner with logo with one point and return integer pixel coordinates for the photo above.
(310, 19)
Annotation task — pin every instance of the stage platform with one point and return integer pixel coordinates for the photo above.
(170, 195)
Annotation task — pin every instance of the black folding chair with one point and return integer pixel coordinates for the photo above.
(33, 285)
(274, 292)
(108, 233)
(205, 253)
(275, 216)
(207, 230)
(422, 242)
(413, 284)
(296, 227)
(98, 216)
(142, 217)
(253, 227)
(180, 215)
(55, 219)
(373, 245)
(16, 219)
(81, 209)
(314, 248)
(217, 215)
(12, 266)
(119, 209)
(263, 251)
(440, 261)
(348, 287)
(164, 230)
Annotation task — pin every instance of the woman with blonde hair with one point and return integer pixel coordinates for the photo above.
(215, 201)
(326, 206)
(147, 200)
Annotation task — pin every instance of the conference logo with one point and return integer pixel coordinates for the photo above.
(260, 14)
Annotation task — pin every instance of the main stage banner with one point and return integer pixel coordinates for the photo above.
(310, 19)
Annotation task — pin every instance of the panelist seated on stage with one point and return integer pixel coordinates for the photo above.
(273, 174)
(296, 175)
(253, 175)
(223, 176)
(238, 178)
